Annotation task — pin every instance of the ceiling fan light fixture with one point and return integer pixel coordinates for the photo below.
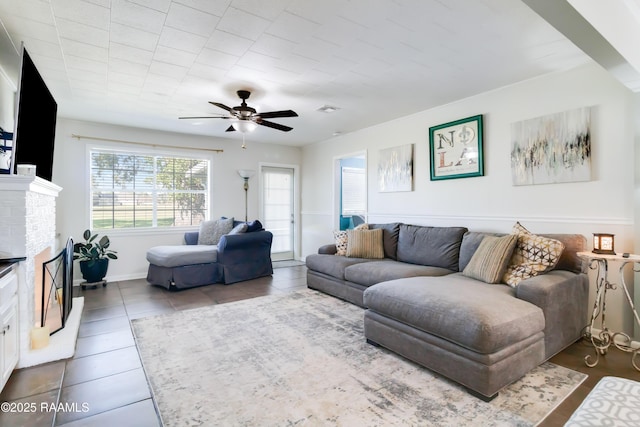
(244, 126)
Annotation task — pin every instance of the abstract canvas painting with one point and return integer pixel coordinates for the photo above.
(552, 149)
(395, 169)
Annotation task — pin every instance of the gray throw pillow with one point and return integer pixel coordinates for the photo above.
(240, 228)
(211, 231)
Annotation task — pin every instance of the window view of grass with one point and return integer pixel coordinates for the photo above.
(136, 191)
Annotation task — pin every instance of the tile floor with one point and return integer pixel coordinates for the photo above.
(104, 383)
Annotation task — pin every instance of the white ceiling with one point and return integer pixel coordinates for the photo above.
(144, 63)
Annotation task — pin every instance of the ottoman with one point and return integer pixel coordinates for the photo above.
(180, 267)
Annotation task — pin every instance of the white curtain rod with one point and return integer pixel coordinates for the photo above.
(95, 138)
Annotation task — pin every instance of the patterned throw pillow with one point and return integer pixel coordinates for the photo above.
(211, 231)
(533, 255)
(340, 238)
(491, 259)
(365, 243)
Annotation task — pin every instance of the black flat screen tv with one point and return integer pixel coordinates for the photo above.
(36, 114)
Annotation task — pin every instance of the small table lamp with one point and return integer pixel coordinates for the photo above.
(603, 243)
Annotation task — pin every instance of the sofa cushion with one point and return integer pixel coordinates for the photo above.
(533, 255)
(490, 260)
(434, 246)
(175, 256)
(211, 231)
(569, 260)
(331, 265)
(373, 272)
(364, 244)
(390, 233)
(481, 317)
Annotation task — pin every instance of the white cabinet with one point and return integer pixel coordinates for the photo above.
(8, 325)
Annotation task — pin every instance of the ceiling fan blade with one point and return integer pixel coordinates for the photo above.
(230, 129)
(224, 107)
(274, 114)
(204, 117)
(273, 125)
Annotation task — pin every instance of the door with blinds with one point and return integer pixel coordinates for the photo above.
(278, 209)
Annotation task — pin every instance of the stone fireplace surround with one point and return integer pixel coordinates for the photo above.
(28, 227)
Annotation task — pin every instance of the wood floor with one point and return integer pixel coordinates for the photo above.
(106, 380)
(615, 363)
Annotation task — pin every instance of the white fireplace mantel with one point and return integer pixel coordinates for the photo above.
(28, 183)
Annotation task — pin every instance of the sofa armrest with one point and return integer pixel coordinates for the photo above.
(563, 297)
(191, 237)
(245, 256)
(328, 250)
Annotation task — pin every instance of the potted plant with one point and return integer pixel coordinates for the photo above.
(94, 255)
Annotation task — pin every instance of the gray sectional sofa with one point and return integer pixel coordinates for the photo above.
(420, 305)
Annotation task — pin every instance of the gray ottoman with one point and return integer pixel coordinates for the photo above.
(180, 267)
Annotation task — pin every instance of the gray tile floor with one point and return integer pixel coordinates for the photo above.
(104, 383)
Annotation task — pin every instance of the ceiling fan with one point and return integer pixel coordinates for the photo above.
(246, 118)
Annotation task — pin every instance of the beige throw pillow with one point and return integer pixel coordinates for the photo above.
(365, 243)
(490, 260)
(532, 256)
(340, 238)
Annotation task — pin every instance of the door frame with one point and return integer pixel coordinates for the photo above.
(296, 200)
(337, 188)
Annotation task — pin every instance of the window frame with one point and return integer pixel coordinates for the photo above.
(155, 151)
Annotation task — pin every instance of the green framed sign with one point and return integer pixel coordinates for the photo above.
(455, 149)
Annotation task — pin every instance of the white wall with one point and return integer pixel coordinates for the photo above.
(70, 171)
(491, 203)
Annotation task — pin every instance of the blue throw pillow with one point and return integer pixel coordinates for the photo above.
(254, 226)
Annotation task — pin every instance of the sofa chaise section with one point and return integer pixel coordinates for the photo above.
(236, 257)
(476, 334)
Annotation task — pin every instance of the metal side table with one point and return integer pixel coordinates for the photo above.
(605, 338)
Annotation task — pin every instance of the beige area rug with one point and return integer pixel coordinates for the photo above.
(301, 359)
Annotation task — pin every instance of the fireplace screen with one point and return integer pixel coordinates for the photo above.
(57, 282)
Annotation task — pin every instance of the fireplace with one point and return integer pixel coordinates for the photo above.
(30, 220)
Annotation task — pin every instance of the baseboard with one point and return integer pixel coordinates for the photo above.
(634, 344)
(118, 278)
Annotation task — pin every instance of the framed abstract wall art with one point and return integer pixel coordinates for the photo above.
(552, 149)
(395, 169)
(456, 149)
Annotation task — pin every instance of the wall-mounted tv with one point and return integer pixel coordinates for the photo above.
(36, 113)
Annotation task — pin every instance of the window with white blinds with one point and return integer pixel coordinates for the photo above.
(134, 190)
(354, 191)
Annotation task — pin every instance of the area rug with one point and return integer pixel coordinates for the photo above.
(300, 359)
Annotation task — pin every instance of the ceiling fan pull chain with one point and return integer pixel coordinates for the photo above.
(244, 146)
